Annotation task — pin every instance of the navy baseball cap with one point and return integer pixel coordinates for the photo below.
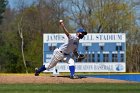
(82, 31)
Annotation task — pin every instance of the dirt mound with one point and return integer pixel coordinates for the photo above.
(22, 79)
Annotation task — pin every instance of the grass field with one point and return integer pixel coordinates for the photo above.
(70, 88)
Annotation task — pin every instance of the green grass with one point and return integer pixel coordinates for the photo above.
(70, 88)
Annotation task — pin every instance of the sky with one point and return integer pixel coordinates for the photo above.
(14, 3)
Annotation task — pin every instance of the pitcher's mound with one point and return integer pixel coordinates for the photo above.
(19, 79)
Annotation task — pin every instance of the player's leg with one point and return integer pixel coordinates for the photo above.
(71, 67)
(57, 56)
(71, 64)
(38, 71)
(53, 63)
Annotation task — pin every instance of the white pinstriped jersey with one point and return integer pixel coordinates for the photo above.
(71, 45)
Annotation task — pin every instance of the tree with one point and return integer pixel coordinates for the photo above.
(102, 15)
(3, 4)
(10, 55)
(20, 22)
(32, 22)
(111, 16)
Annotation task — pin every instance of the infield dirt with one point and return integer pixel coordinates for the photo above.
(30, 78)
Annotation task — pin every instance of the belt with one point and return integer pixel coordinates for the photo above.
(64, 53)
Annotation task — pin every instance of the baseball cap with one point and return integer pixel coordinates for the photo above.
(82, 31)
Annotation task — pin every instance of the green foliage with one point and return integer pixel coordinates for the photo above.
(10, 54)
(3, 4)
(34, 54)
(112, 18)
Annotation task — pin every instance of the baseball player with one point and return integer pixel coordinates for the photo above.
(64, 51)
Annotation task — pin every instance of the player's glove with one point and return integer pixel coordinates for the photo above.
(80, 57)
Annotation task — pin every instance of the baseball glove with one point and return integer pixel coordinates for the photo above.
(81, 57)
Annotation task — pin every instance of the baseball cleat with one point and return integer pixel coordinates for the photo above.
(36, 74)
(75, 77)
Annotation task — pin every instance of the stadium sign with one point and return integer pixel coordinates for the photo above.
(105, 52)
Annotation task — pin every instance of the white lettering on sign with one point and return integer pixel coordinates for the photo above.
(109, 37)
(98, 37)
(47, 60)
(86, 44)
(104, 37)
(51, 38)
(92, 67)
(103, 67)
(48, 55)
